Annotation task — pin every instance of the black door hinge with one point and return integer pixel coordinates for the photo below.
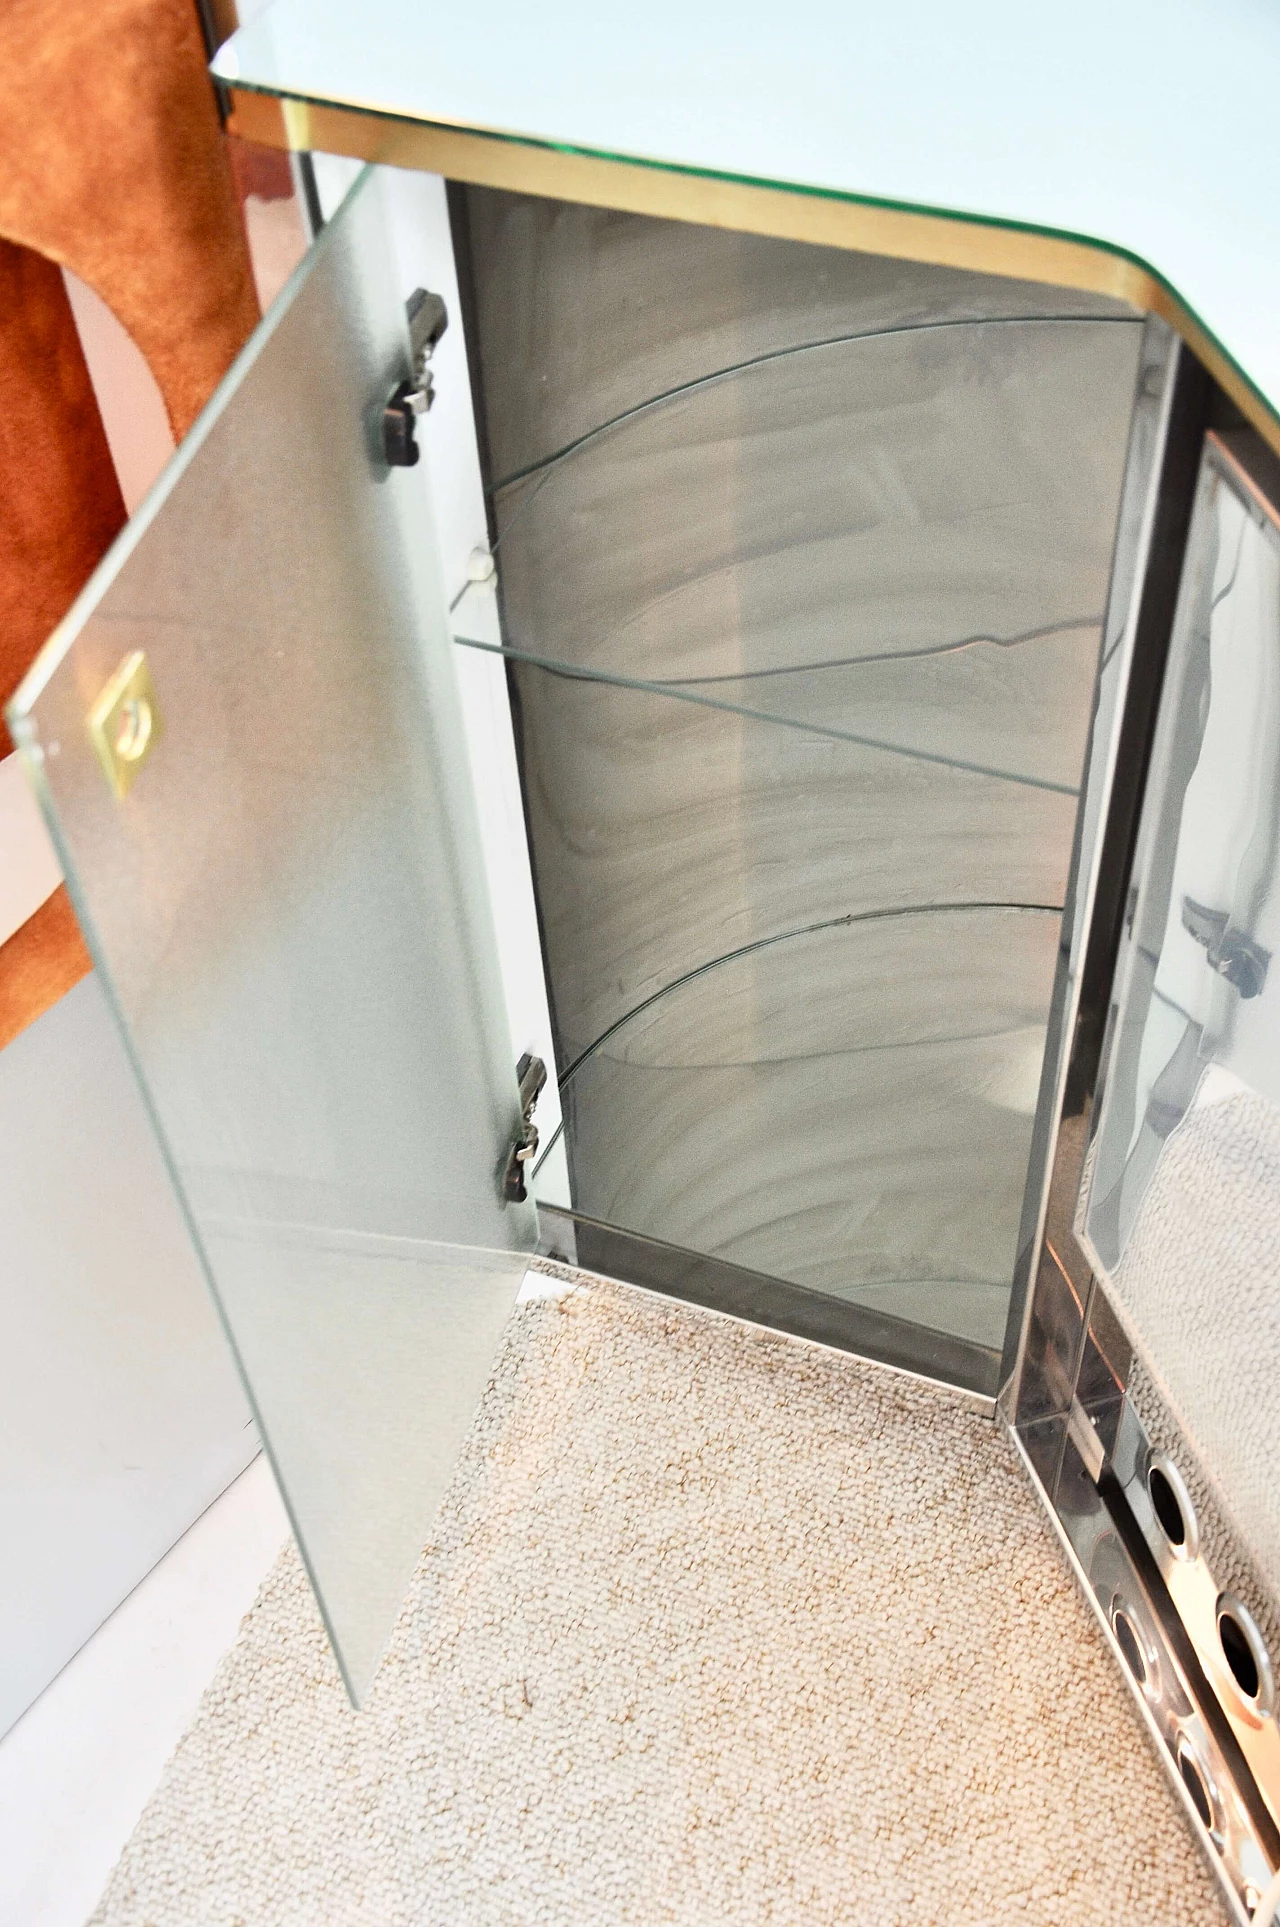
(532, 1073)
(428, 318)
(1234, 956)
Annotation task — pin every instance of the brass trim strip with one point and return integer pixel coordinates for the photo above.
(792, 214)
(1230, 463)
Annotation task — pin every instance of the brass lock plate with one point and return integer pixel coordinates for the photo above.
(124, 723)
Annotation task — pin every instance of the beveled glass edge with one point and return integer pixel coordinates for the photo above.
(304, 123)
(1067, 1529)
(676, 692)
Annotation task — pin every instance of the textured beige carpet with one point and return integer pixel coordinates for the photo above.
(715, 1628)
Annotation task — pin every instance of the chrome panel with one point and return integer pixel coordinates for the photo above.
(1053, 1179)
(1092, 1440)
(1055, 1321)
(1180, 1211)
(774, 1302)
(1093, 1458)
(1214, 1786)
(1201, 1573)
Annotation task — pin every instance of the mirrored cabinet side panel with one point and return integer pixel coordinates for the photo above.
(1180, 1211)
(1146, 1395)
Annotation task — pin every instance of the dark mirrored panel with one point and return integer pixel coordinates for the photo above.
(804, 557)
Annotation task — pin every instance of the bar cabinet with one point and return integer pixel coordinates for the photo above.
(817, 857)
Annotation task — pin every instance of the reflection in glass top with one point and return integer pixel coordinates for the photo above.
(1182, 1191)
(984, 111)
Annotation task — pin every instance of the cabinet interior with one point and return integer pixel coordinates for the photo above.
(802, 563)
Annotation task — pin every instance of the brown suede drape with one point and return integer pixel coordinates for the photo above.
(112, 163)
(60, 506)
(60, 503)
(40, 963)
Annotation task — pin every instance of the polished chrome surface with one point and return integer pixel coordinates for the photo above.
(1144, 1389)
(1205, 1577)
(1121, 1482)
(803, 561)
(1102, 1445)
(1135, 534)
(1216, 1789)
(934, 1357)
(1172, 1506)
(1248, 1656)
(1181, 1207)
(288, 910)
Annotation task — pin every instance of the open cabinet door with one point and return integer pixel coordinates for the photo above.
(246, 738)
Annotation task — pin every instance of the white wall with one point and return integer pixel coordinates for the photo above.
(122, 1415)
(129, 401)
(79, 1767)
(29, 872)
(141, 442)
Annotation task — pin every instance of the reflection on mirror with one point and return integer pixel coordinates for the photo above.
(1180, 1206)
(803, 559)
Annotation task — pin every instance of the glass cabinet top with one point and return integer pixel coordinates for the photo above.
(1149, 129)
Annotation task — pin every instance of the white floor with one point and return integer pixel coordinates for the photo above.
(78, 1768)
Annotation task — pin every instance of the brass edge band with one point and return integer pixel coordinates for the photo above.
(829, 221)
(1229, 461)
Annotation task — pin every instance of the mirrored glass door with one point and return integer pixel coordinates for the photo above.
(246, 738)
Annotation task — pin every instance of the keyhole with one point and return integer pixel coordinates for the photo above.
(133, 729)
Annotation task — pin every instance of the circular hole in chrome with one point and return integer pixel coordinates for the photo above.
(1235, 1649)
(1196, 1782)
(1171, 1503)
(1245, 1652)
(1130, 1645)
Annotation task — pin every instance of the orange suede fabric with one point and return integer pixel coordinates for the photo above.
(60, 506)
(60, 503)
(112, 163)
(40, 963)
(264, 171)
